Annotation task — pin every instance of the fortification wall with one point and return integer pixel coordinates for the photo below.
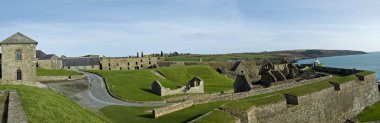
(59, 78)
(214, 98)
(109, 63)
(337, 70)
(330, 105)
(172, 108)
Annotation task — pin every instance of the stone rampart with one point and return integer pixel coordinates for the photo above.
(214, 98)
(330, 105)
(274, 88)
(172, 108)
(59, 78)
(340, 71)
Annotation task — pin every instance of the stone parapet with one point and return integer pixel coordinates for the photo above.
(59, 78)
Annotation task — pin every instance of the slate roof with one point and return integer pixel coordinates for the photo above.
(47, 57)
(81, 61)
(40, 54)
(235, 66)
(18, 38)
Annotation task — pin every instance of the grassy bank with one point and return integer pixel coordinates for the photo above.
(371, 113)
(121, 114)
(58, 72)
(213, 81)
(136, 84)
(46, 106)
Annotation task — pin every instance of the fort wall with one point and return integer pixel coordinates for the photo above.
(172, 108)
(110, 63)
(59, 78)
(329, 105)
(214, 98)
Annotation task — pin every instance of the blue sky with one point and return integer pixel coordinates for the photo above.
(124, 27)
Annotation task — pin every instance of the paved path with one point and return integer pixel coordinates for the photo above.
(95, 97)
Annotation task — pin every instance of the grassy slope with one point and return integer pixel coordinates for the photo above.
(213, 81)
(135, 84)
(59, 72)
(224, 57)
(371, 113)
(121, 114)
(43, 105)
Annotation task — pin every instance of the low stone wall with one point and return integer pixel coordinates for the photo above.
(172, 108)
(15, 112)
(59, 78)
(330, 105)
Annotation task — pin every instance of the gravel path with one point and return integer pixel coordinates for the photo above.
(91, 93)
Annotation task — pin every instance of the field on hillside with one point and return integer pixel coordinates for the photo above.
(59, 72)
(213, 81)
(224, 57)
(136, 84)
(46, 106)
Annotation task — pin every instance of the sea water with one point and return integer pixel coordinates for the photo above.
(369, 61)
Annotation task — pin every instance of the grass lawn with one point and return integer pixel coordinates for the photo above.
(213, 81)
(223, 57)
(59, 72)
(121, 114)
(46, 106)
(371, 113)
(134, 84)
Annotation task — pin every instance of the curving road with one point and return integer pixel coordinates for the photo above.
(91, 93)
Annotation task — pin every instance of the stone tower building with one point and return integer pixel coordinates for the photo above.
(18, 60)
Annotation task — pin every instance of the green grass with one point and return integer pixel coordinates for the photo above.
(134, 84)
(59, 72)
(371, 113)
(223, 57)
(46, 106)
(365, 73)
(121, 114)
(213, 81)
(217, 116)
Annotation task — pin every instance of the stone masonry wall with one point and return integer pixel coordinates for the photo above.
(16, 113)
(214, 98)
(108, 63)
(172, 108)
(59, 78)
(27, 64)
(328, 105)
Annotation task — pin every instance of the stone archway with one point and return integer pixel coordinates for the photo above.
(137, 68)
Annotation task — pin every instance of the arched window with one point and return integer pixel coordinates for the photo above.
(19, 75)
(18, 55)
